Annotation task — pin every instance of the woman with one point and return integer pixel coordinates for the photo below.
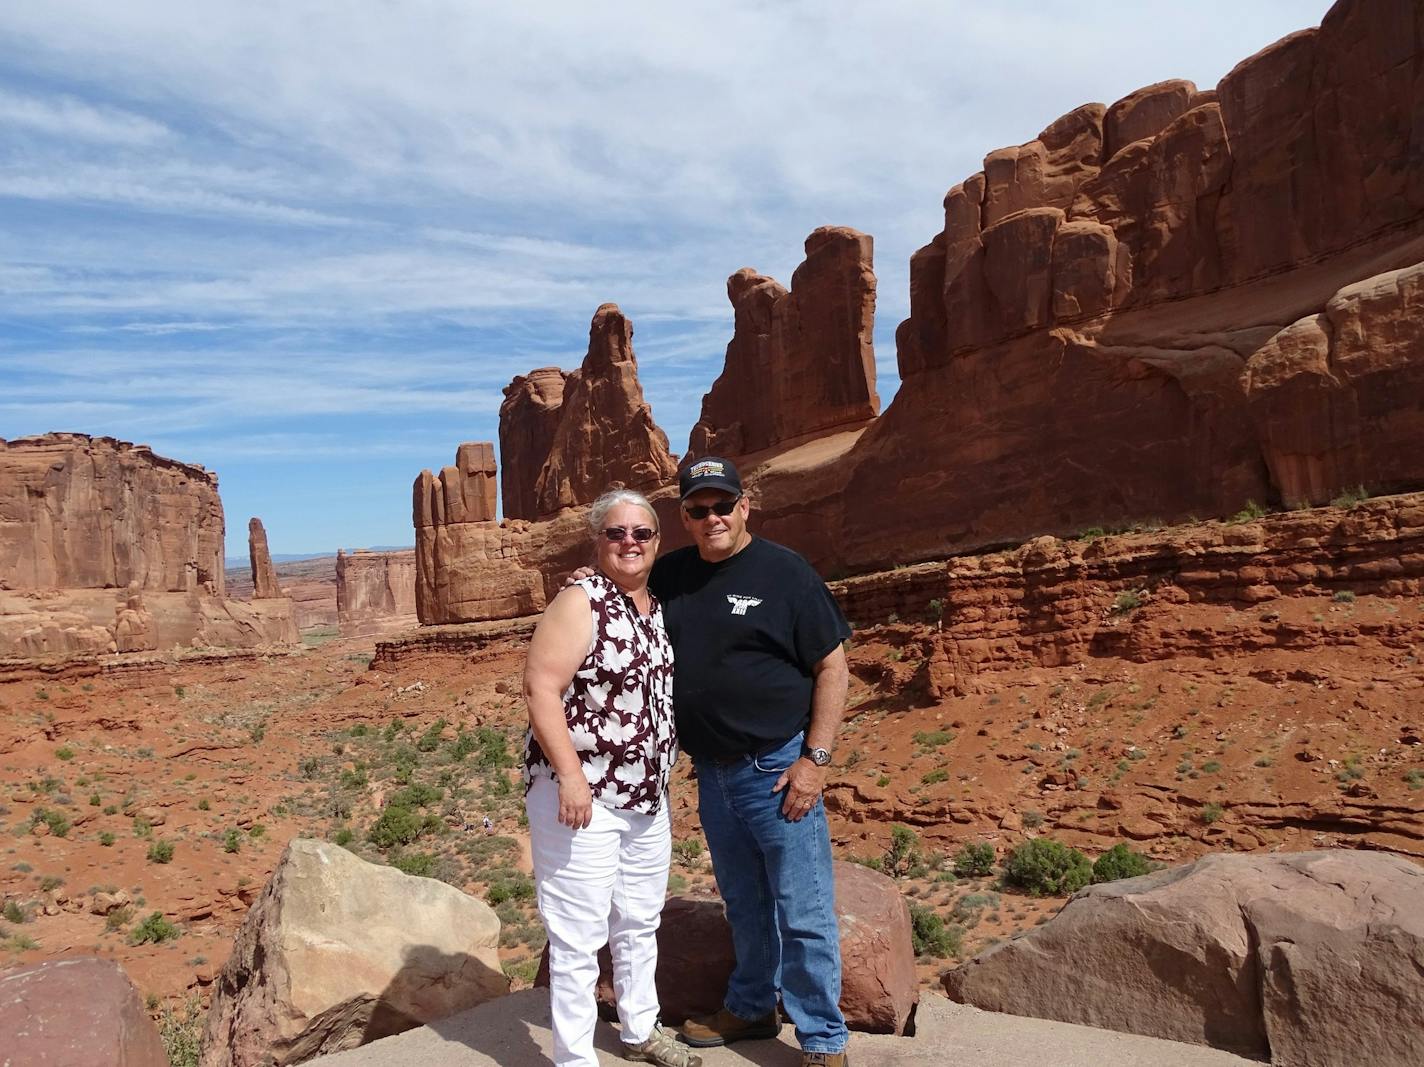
(600, 747)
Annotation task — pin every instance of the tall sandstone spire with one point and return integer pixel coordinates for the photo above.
(264, 575)
(605, 431)
(800, 363)
(528, 420)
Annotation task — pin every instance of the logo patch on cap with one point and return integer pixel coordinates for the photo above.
(707, 468)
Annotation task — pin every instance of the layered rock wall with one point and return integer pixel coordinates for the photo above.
(375, 592)
(106, 547)
(1054, 602)
(800, 363)
(605, 432)
(92, 512)
(1161, 308)
(466, 564)
(528, 421)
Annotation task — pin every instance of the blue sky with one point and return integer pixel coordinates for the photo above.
(308, 244)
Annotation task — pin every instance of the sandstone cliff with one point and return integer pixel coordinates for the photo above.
(375, 592)
(92, 512)
(1155, 309)
(605, 432)
(800, 363)
(107, 547)
(528, 420)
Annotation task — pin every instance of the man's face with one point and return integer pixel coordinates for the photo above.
(717, 536)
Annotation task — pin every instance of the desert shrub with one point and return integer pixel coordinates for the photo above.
(975, 860)
(418, 795)
(509, 885)
(935, 776)
(56, 821)
(1046, 867)
(1032, 820)
(182, 1033)
(1210, 813)
(904, 857)
(50, 882)
(160, 852)
(931, 935)
(13, 913)
(1120, 862)
(421, 864)
(1343, 596)
(395, 826)
(343, 837)
(687, 852)
(1127, 600)
(931, 739)
(64, 752)
(1249, 513)
(232, 841)
(430, 740)
(106, 838)
(1350, 497)
(155, 929)
(118, 918)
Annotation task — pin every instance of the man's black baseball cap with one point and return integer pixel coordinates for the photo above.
(709, 473)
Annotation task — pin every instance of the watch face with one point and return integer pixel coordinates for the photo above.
(820, 757)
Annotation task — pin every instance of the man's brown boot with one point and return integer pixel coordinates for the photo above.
(722, 1028)
(824, 1059)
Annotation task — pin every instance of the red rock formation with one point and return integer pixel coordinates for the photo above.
(79, 1010)
(264, 576)
(106, 547)
(528, 420)
(375, 592)
(92, 512)
(800, 363)
(606, 432)
(1096, 335)
(466, 566)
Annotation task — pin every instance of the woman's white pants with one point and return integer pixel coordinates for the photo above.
(604, 883)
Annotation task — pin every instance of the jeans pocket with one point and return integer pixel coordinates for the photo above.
(779, 759)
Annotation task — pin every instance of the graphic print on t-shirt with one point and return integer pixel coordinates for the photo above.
(741, 603)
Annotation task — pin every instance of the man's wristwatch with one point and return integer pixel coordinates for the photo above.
(821, 757)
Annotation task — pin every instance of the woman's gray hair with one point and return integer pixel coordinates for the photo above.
(610, 500)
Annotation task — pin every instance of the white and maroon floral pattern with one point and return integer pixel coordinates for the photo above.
(619, 705)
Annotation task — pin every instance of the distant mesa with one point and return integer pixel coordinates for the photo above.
(106, 547)
(375, 592)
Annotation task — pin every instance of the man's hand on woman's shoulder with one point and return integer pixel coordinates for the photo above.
(579, 575)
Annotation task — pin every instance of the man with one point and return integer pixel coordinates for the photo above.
(759, 689)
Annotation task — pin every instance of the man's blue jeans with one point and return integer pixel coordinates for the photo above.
(775, 879)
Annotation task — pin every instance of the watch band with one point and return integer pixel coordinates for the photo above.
(821, 757)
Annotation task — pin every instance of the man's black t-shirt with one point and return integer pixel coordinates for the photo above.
(746, 633)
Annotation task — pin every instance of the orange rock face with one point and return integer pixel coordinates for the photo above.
(375, 592)
(528, 419)
(800, 363)
(92, 512)
(1162, 308)
(106, 547)
(264, 575)
(605, 432)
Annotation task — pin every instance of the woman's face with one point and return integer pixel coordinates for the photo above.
(628, 561)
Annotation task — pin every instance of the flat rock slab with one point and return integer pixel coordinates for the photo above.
(513, 1031)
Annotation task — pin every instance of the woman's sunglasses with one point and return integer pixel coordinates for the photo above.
(641, 534)
(698, 512)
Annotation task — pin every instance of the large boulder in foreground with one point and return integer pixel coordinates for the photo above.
(1311, 959)
(338, 952)
(695, 956)
(75, 1011)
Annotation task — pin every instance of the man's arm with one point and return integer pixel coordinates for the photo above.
(803, 780)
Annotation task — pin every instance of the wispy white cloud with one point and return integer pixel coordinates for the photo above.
(63, 116)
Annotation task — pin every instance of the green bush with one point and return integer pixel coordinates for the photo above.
(160, 852)
(396, 826)
(1120, 862)
(64, 752)
(509, 885)
(1126, 601)
(430, 740)
(1210, 813)
(55, 820)
(343, 837)
(155, 929)
(416, 796)
(975, 860)
(931, 935)
(1046, 867)
(106, 838)
(232, 841)
(421, 864)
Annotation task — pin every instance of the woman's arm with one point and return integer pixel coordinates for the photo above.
(559, 645)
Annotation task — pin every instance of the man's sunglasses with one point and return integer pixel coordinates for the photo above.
(641, 534)
(698, 512)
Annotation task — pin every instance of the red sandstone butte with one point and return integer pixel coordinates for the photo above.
(528, 419)
(1162, 308)
(107, 547)
(606, 432)
(466, 566)
(264, 575)
(375, 592)
(800, 363)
